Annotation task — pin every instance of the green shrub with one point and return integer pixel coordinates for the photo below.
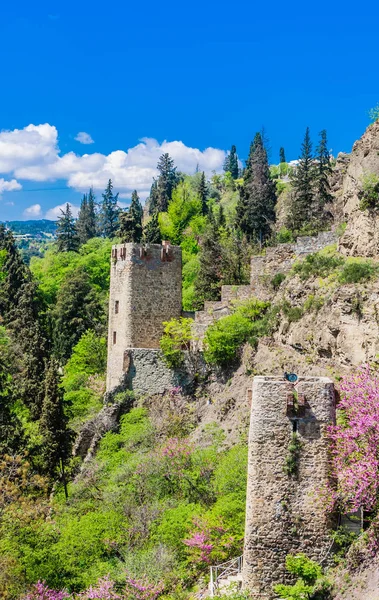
(284, 236)
(317, 265)
(293, 313)
(277, 280)
(224, 337)
(374, 113)
(370, 192)
(357, 271)
(177, 336)
(311, 582)
(313, 303)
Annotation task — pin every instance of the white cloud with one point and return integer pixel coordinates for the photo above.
(33, 211)
(32, 153)
(9, 186)
(54, 213)
(84, 138)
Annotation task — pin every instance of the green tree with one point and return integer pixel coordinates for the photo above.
(208, 282)
(303, 182)
(282, 156)
(231, 163)
(324, 169)
(67, 236)
(77, 309)
(131, 221)
(56, 436)
(203, 194)
(10, 428)
(161, 192)
(185, 204)
(151, 231)
(109, 212)
(13, 272)
(86, 223)
(256, 206)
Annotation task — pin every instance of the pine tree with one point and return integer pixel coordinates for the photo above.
(203, 194)
(231, 163)
(86, 223)
(303, 183)
(131, 221)
(162, 188)
(256, 205)
(56, 436)
(324, 168)
(67, 237)
(151, 231)
(209, 279)
(282, 156)
(109, 211)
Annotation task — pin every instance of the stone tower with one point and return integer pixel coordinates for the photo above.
(283, 512)
(145, 290)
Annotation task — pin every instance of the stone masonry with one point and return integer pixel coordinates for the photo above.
(145, 291)
(284, 513)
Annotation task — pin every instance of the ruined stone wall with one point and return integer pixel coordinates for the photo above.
(145, 290)
(283, 513)
(279, 259)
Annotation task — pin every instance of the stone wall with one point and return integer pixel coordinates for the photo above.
(283, 513)
(145, 290)
(146, 373)
(279, 259)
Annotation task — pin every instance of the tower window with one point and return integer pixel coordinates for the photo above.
(114, 337)
(116, 305)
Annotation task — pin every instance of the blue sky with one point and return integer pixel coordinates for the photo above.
(203, 74)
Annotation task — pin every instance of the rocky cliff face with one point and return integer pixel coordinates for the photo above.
(361, 237)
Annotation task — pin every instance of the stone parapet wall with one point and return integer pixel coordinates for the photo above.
(231, 293)
(284, 514)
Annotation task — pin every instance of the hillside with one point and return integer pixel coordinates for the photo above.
(139, 493)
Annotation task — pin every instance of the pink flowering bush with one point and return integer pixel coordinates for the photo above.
(209, 542)
(40, 591)
(105, 589)
(355, 442)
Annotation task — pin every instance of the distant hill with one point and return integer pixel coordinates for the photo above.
(35, 229)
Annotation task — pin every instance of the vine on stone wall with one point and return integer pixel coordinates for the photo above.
(291, 466)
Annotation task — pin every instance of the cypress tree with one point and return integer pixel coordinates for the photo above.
(282, 156)
(19, 310)
(324, 168)
(165, 184)
(67, 236)
(231, 163)
(109, 212)
(13, 272)
(131, 221)
(153, 198)
(203, 194)
(76, 310)
(10, 427)
(303, 181)
(86, 223)
(208, 281)
(151, 231)
(56, 436)
(256, 205)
